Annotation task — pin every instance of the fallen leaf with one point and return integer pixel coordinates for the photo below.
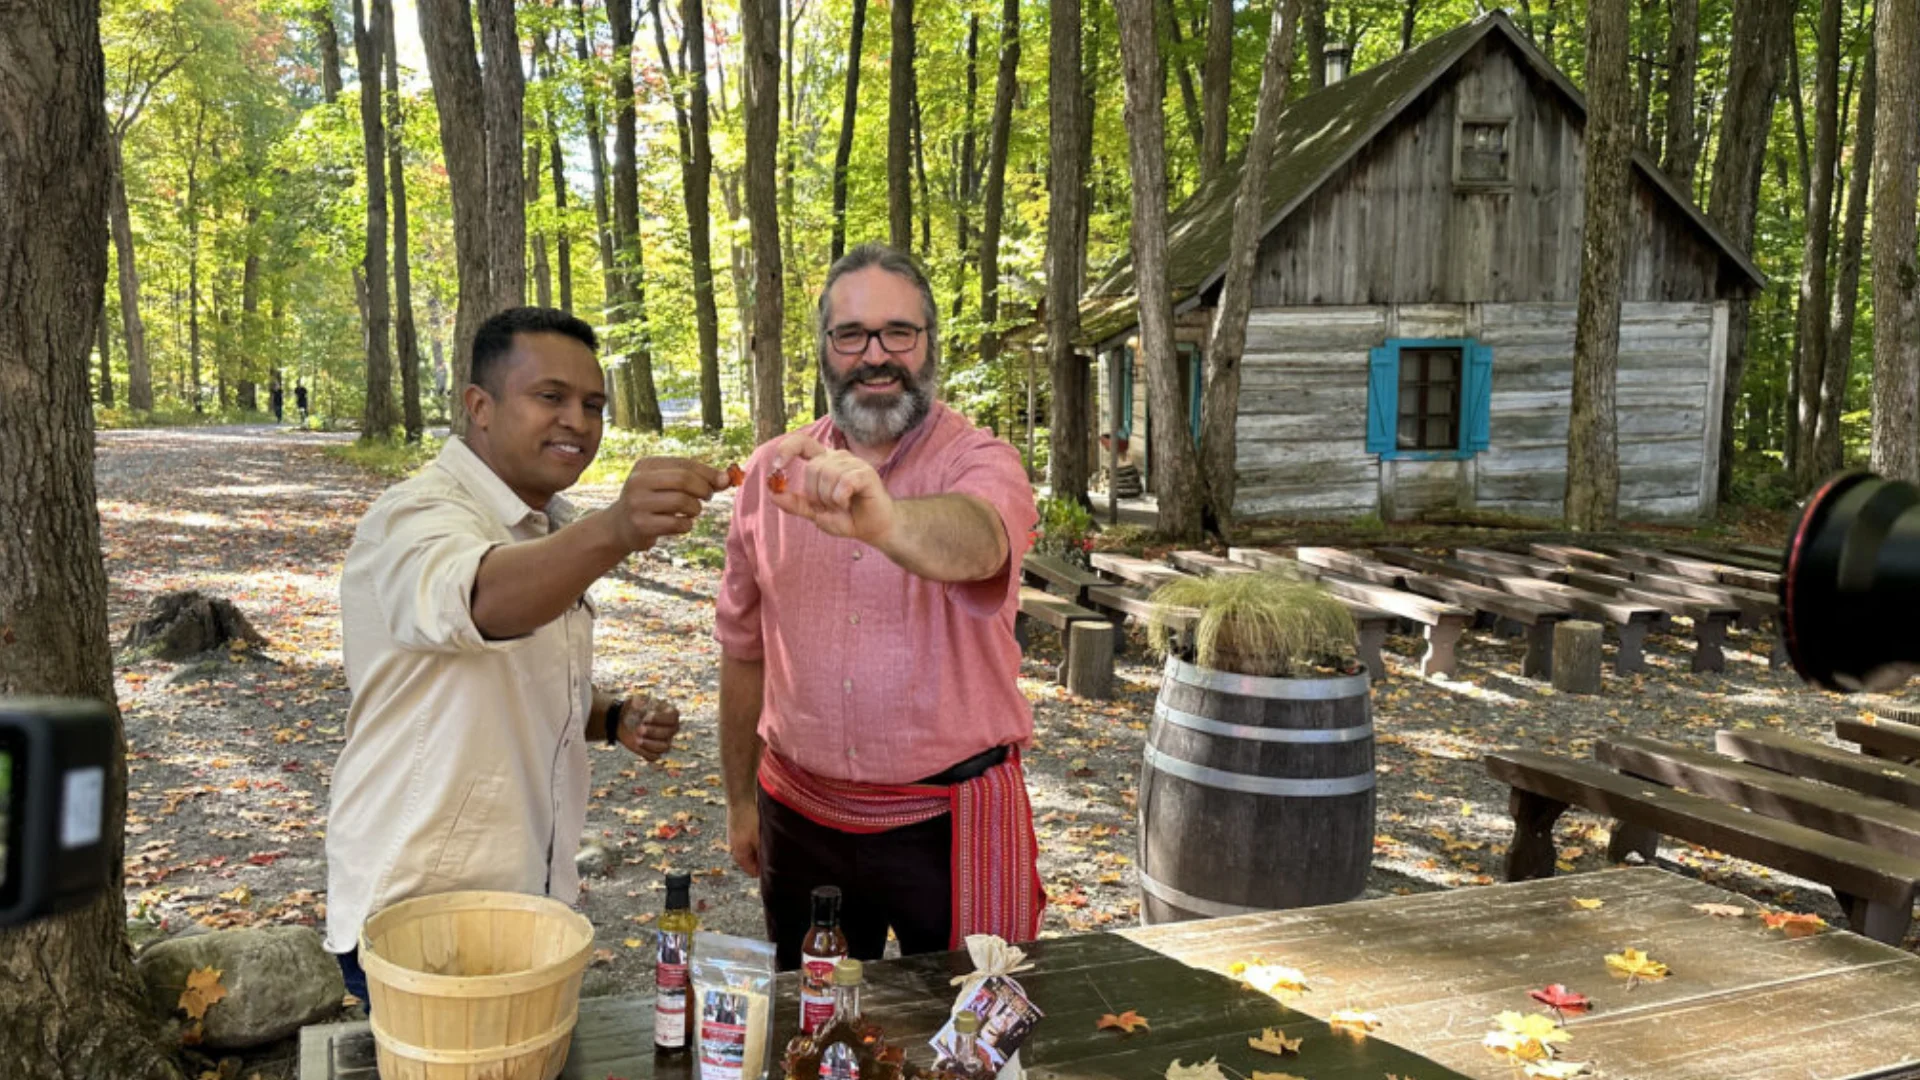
(1724, 911)
(1275, 1042)
(202, 993)
(1258, 1075)
(1524, 1038)
(633, 943)
(1635, 965)
(1271, 978)
(1556, 1070)
(1585, 904)
(1560, 998)
(1794, 924)
(1128, 1022)
(1353, 1022)
(1206, 1070)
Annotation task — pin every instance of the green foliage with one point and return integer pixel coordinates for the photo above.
(1761, 480)
(393, 460)
(1259, 624)
(620, 449)
(1065, 530)
(175, 416)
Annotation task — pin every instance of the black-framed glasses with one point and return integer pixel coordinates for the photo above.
(894, 338)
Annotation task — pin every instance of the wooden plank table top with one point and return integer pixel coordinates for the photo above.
(1742, 1001)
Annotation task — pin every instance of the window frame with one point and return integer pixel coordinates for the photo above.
(1457, 416)
(1466, 183)
(1476, 402)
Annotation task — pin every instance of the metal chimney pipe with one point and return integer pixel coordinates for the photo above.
(1337, 56)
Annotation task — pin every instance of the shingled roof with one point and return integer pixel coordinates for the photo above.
(1318, 133)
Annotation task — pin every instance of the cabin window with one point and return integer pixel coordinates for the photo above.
(1482, 154)
(1429, 398)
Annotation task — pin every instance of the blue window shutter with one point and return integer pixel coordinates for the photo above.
(1477, 398)
(1383, 399)
(1195, 384)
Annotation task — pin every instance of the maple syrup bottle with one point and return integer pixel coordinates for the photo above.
(848, 1047)
(672, 1016)
(824, 947)
(969, 1060)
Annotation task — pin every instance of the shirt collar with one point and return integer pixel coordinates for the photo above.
(937, 415)
(484, 484)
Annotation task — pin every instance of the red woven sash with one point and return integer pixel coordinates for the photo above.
(996, 872)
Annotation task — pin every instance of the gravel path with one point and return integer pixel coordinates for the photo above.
(231, 756)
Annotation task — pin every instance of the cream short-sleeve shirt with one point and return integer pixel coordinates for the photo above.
(465, 765)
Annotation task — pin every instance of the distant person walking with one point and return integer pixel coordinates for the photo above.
(300, 401)
(277, 401)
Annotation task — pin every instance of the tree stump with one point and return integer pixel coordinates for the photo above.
(1088, 668)
(184, 624)
(1576, 657)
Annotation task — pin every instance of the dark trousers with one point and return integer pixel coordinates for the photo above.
(901, 879)
(356, 978)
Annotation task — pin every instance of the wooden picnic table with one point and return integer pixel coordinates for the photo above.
(1435, 968)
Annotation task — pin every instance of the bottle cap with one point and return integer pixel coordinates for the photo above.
(826, 905)
(967, 1022)
(679, 891)
(848, 972)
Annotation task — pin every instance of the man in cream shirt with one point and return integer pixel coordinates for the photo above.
(468, 639)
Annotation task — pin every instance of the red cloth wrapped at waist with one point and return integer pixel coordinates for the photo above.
(996, 872)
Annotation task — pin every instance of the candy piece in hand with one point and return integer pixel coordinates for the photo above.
(777, 481)
(736, 475)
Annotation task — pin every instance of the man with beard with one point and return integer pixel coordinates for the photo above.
(870, 723)
(468, 640)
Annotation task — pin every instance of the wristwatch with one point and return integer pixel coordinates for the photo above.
(612, 721)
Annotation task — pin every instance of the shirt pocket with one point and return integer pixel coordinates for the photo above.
(452, 867)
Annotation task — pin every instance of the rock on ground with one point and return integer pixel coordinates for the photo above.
(277, 978)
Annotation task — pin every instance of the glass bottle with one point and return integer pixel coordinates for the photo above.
(672, 1018)
(969, 1060)
(849, 1047)
(824, 947)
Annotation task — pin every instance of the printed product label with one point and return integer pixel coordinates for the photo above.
(723, 1035)
(816, 991)
(670, 992)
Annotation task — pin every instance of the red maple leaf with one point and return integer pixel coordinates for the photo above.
(1560, 999)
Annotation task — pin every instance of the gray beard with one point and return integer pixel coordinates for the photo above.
(880, 425)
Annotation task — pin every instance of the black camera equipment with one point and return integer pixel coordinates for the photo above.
(1850, 587)
(55, 757)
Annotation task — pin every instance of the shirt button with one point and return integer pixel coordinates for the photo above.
(852, 753)
(847, 685)
(854, 618)
(858, 554)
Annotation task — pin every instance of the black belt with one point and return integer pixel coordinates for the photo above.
(968, 769)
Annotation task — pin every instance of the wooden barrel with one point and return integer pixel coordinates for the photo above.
(1256, 794)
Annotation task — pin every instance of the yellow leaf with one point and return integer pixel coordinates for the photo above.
(202, 993)
(1525, 1038)
(1587, 905)
(1258, 1075)
(1275, 1042)
(1353, 1022)
(1635, 964)
(1274, 979)
(1206, 1070)
(1724, 911)
(1128, 1022)
(633, 943)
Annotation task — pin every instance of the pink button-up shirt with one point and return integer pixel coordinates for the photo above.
(874, 674)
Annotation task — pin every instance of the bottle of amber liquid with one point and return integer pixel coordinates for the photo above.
(849, 1047)
(672, 1016)
(969, 1060)
(824, 947)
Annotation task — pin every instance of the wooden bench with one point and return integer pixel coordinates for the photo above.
(1700, 569)
(1057, 575)
(1441, 623)
(1876, 888)
(1134, 603)
(1087, 669)
(1817, 761)
(1137, 571)
(1510, 562)
(1370, 624)
(1710, 620)
(1630, 621)
(1881, 738)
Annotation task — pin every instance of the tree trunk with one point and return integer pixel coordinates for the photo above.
(1220, 402)
(562, 243)
(597, 150)
(920, 170)
(760, 32)
(193, 259)
(1593, 463)
(995, 210)
(1175, 472)
(629, 255)
(1316, 29)
(900, 130)
(250, 314)
(1816, 299)
(139, 372)
(74, 1005)
(503, 89)
(1645, 29)
(1683, 56)
(406, 335)
(328, 32)
(843, 150)
(542, 266)
(446, 31)
(1407, 16)
(1760, 36)
(1183, 74)
(1829, 454)
(967, 176)
(1217, 84)
(698, 180)
(1067, 466)
(378, 419)
(1896, 272)
(105, 389)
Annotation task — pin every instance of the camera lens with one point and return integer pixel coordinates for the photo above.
(1850, 588)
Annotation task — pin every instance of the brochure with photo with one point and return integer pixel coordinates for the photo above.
(1006, 1020)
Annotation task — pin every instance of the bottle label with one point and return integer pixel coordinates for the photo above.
(816, 991)
(839, 1063)
(723, 1035)
(670, 992)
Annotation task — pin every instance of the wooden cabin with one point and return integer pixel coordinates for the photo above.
(1410, 349)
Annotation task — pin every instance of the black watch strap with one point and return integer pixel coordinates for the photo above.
(612, 721)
